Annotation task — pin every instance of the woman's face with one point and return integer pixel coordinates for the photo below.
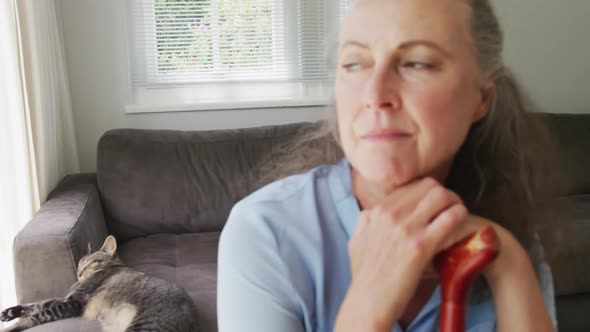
(407, 88)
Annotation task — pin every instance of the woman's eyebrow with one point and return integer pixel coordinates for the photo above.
(403, 46)
(427, 43)
(354, 43)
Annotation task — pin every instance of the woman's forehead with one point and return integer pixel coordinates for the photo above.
(397, 3)
(374, 21)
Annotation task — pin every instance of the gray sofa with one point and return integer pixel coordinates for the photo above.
(166, 195)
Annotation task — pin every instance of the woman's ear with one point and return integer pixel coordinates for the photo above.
(488, 95)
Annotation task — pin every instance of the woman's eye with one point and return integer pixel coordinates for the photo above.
(352, 66)
(419, 65)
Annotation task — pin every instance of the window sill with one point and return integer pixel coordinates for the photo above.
(217, 105)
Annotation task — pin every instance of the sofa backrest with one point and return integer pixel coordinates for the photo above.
(163, 181)
(572, 136)
(167, 181)
(571, 247)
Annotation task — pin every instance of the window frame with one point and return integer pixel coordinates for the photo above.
(226, 95)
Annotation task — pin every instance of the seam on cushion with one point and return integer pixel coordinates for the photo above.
(99, 182)
(176, 259)
(100, 158)
(219, 141)
(242, 138)
(69, 231)
(71, 255)
(576, 195)
(45, 236)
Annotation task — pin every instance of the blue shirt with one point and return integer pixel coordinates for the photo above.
(283, 259)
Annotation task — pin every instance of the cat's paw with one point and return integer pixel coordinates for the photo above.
(11, 313)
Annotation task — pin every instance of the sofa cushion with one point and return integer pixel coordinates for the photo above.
(570, 268)
(189, 260)
(69, 325)
(572, 137)
(167, 181)
(572, 312)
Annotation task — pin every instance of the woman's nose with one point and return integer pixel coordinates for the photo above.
(382, 90)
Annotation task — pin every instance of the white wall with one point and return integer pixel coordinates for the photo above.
(546, 45)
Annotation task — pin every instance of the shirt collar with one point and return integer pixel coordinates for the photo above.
(346, 204)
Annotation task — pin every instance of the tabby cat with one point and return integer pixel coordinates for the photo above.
(122, 299)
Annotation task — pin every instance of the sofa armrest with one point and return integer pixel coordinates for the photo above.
(47, 249)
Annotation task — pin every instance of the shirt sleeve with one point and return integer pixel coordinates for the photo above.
(545, 278)
(254, 293)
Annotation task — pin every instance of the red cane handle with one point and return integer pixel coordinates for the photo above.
(457, 267)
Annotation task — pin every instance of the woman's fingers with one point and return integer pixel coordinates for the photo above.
(402, 203)
(421, 215)
(435, 201)
(471, 225)
(445, 224)
(408, 211)
(396, 240)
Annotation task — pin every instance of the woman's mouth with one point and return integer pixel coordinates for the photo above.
(385, 135)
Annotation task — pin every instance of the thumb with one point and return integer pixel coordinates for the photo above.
(470, 226)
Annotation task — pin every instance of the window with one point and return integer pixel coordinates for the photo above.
(208, 54)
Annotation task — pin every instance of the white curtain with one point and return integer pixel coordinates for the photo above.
(37, 138)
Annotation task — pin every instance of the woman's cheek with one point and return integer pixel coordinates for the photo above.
(442, 131)
(348, 107)
(450, 122)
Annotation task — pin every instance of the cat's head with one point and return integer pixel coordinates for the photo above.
(94, 261)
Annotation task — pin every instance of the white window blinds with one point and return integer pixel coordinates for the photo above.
(213, 42)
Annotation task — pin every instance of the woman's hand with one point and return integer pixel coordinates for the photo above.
(391, 247)
(396, 240)
(518, 298)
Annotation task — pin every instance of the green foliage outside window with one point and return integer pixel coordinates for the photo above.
(239, 31)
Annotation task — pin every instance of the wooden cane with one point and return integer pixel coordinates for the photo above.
(457, 267)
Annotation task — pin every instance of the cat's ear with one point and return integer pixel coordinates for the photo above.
(109, 246)
(89, 248)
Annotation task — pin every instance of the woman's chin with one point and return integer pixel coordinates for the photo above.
(386, 175)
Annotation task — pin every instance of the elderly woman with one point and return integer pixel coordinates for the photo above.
(437, 142)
